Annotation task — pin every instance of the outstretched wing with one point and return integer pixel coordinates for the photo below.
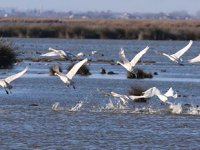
(58, 51)
(115, 94)
(162, 98)
(13, 77)
(122, 56)
(53, 49)
(182, 51)
(125, 63)
(194, 60)
(150, 92)
(138, 56)
(169, 93)
(62, 77)
(75, 68)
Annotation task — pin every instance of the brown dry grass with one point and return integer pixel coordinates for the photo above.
(93, 28)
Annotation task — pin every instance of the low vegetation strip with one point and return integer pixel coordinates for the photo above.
(100, 29)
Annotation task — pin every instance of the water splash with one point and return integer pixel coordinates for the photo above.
(56, 107)
(77, 106)
(193, 110)
(175, 108)
(110, 105)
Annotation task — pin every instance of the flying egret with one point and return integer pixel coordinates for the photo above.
(194, 60)
(67, 79)
(176, 57)
(5, 83)
(156, 92)
(128, 65)
(123, 98)
(60, 53)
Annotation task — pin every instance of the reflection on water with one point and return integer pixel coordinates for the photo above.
(84, 118)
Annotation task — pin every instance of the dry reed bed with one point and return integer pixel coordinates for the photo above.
(100, 29)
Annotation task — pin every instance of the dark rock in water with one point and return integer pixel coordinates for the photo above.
(84, 70)
(137, 91)
(111, 73)
(54, 69)
(155, 73)
(33, 105)
(139, 74)
(102, 70)
(38, 53)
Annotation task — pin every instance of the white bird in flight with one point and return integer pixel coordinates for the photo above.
(156, 92)
(67, 79)
(5, 83)
(195, 60)
(60, 53)
(123, 98)
(176, 57)
(128, 65)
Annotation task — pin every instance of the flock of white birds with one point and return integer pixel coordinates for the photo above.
(124, 62)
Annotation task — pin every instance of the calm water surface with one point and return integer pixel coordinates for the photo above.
(28, 122)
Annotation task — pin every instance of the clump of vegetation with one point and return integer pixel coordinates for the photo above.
(139, 74)
(137, 91)
(7, 54)
(54, 69)
(84, 70)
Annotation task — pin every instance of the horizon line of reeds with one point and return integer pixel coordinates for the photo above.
(102, 29)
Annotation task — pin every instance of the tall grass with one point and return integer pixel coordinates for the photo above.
(101, 29)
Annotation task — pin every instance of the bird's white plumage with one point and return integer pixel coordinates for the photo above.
(156, 92)
(75, 68)
(125, 62)
(68, 77)
(94, 52)
(5, 83)
(60, 53)
(15, 76)
(176, 56)
(171, 93)
(49, 54)
(146, 94)
(81, 54)
(138, 56)
(195, 60)
(123, 98)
